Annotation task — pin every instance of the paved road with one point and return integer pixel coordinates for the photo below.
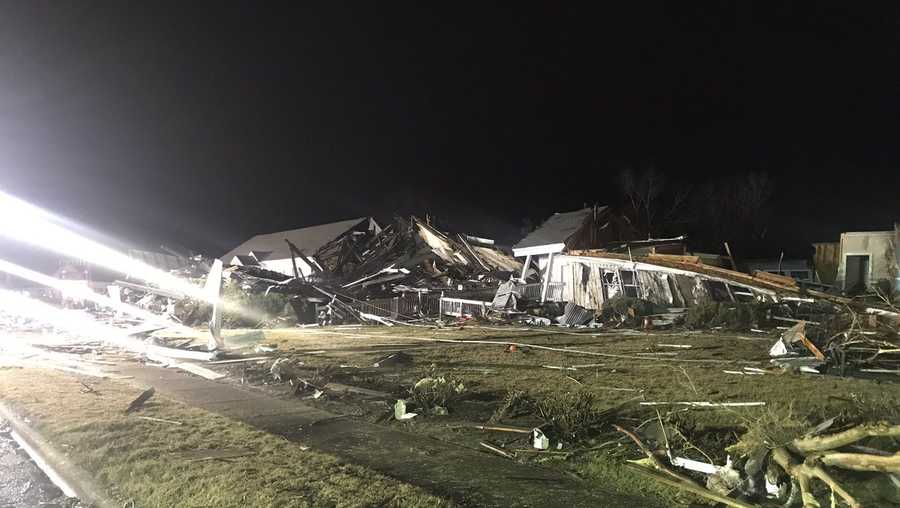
(22, 483)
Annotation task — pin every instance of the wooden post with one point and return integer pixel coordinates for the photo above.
(547, 277)
(525, 266)
(730, 257)
(780, 259)
(293, 259)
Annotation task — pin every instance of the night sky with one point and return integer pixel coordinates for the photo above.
(204, 125)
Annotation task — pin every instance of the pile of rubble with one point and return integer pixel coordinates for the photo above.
(398, 273)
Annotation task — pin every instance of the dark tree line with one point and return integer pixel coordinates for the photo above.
(728, 208)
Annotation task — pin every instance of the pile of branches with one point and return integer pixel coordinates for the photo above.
(863, 341)
(779, 458)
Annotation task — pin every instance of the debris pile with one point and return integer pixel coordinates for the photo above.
(397, 273)
(779, 458)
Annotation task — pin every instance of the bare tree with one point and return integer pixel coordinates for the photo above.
(651, 202)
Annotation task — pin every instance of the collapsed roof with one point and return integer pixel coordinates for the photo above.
(307, 239)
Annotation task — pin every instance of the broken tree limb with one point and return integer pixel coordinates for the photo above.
(692, 488)
(830, 442)
(862, 461)
(804, 473)
(654, 460)
(674, 479)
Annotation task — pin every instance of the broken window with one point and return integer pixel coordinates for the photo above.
(630, 285)
(611, 284)
(717, 291)
(621, 282)
(741, 294)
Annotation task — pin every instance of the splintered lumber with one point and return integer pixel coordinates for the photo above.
(138, 403)
(497, 450)
(704, 404)
(783, 280)
(504, 429)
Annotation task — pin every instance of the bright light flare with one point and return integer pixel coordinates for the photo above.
(76, 323)
(86, 293)
(29, 224)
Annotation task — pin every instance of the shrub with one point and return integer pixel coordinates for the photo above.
(436, 391)
(731, 316)
(628, 309)
(571, 414)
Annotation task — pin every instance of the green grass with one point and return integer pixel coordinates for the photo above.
(136, 459)
(652, 377)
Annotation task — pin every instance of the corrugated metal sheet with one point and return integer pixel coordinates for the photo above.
(576, 315)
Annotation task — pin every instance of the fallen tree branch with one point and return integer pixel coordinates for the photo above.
(807, 445)
(862, 461)
(692, 488)
(654, 460)
(804, 473)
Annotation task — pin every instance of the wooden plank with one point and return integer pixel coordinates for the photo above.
(774, 277)
(695, 260)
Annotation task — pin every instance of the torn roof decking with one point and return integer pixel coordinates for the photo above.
(307, 239)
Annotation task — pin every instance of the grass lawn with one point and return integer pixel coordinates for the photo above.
(154, 463)
(641, 367)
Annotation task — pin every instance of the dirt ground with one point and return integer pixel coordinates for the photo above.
(613, 371)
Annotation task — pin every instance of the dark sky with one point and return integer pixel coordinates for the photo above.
(206, 124)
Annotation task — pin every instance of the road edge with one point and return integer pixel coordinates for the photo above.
(77, 478)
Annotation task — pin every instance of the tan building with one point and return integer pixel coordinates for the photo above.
(866, 258)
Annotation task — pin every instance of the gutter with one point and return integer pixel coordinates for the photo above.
(70, 478)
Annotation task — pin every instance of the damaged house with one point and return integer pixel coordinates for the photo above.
(272, 251)
(590, 256)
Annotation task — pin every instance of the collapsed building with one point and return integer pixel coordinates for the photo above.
(406, 270)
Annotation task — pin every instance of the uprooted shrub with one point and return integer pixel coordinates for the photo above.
(516, 403)
(437, 392)
(628, 310)
(569, 415)
(731, 316)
